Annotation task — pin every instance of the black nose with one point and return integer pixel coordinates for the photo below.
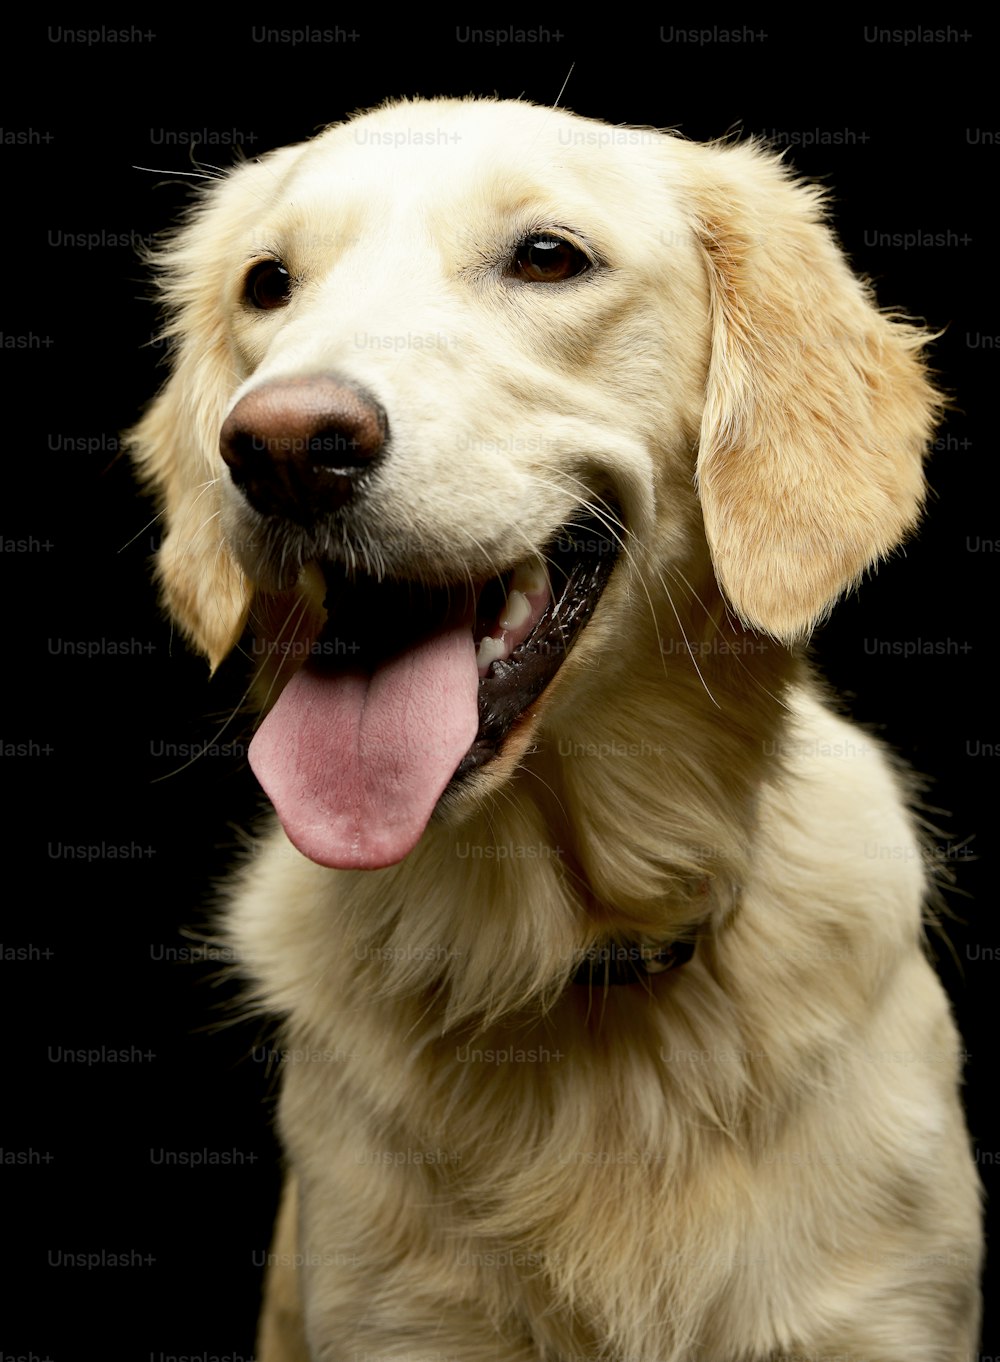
(299, 447)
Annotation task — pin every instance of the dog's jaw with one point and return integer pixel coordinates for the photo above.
(408, 691)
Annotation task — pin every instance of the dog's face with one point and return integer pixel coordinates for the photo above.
(457, 387)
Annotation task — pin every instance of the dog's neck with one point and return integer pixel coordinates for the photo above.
(660, 799)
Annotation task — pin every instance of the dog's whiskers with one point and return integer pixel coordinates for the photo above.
(159, 516)
(687, 645)
(297, 611)
(206, 173)
(622, 535)
(751, 674)
(240, 706)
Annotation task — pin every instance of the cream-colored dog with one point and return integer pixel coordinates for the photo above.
(529, 450)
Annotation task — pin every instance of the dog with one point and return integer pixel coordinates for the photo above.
(524, 453)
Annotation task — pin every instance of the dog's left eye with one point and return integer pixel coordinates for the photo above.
(545, 258)
(268, 285)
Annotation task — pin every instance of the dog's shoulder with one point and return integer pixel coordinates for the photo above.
(837, 836)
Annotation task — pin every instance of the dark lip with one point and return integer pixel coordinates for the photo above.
(368, 621)
(580, 561)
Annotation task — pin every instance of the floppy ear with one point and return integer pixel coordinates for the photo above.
(176, 445)
(818, 408)
(201, 584)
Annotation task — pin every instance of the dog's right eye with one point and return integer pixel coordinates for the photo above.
(268, 285)
(547, 258)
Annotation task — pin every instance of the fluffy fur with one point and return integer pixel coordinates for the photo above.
(759, 1156)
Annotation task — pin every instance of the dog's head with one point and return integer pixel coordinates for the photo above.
(456, 386)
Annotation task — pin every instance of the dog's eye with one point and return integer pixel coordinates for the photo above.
(268, 285)
(545, 258)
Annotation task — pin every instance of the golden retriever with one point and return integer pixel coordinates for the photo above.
(527, 451)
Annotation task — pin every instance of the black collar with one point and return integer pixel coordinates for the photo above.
(630, 962)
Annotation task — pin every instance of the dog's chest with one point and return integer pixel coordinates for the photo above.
(556, 1181)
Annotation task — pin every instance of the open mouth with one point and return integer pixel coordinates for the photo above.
(409, 689)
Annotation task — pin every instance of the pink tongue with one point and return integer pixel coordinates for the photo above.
(354, 764)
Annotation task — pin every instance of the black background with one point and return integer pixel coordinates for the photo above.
(901, 130)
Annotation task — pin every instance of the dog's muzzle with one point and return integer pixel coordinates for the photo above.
(409, 688)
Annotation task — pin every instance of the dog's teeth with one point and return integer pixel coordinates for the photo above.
(489, 651)
(530, 578)
(518, 610)
(312, 584)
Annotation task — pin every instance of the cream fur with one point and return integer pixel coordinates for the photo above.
(758, 1157)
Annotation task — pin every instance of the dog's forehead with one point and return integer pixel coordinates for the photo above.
(438, 158)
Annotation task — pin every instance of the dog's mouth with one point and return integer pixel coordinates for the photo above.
(409, 689)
